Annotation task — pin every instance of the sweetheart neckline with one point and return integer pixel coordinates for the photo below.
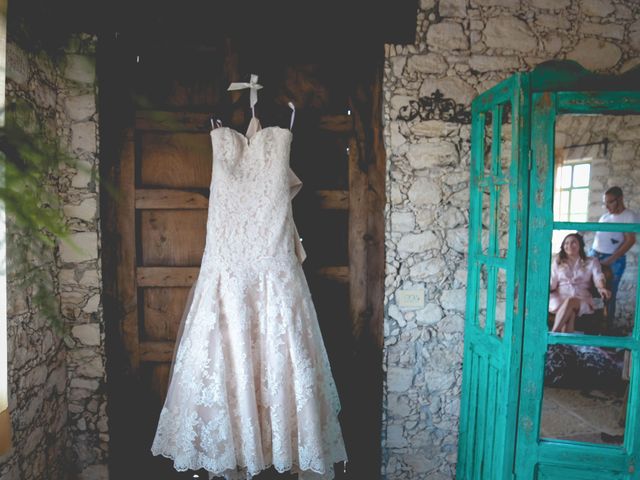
(248, 140)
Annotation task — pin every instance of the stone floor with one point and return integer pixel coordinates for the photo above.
(585, 416)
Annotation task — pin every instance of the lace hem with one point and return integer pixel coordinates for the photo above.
(244, 473)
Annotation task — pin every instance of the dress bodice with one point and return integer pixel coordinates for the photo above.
(250, 217)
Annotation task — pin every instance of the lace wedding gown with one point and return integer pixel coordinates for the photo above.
(251, 384)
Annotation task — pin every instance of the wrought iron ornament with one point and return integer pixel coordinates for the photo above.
(435, 107)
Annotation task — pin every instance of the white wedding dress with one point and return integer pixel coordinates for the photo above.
(251, 384)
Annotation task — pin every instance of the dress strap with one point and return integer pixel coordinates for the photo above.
(253, 86)
(215, 124)
(293, 113)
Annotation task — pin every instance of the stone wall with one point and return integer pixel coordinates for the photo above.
(57, 392)
(462, 48)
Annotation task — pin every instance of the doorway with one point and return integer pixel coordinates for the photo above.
(156, 114)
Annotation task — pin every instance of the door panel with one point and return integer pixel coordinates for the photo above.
(494, 305)
(574, 454)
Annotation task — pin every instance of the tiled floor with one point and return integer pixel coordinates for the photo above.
(586, 416)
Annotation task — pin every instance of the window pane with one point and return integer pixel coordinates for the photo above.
(581, 175)
(564, 176)
(585, 394)
(564, 205)
(579, 200)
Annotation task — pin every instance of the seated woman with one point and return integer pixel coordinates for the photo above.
(571, 275)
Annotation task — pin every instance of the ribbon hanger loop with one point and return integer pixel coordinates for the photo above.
(253, 87)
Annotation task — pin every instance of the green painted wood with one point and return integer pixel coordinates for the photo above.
(502, 378)
(567, 75)
(588, 340)
(554, 459)
(597, 102)
(593, 226)
(492, 364)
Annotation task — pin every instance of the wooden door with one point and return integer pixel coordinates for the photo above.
(543, 450)
(497, 251)
(155, 228)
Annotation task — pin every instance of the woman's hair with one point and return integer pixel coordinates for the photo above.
(562, 255)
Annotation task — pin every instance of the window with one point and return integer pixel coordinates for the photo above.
(571, 199)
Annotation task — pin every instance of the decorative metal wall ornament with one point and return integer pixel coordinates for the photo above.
(435, 107)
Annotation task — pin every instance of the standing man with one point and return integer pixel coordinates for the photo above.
(610, 247)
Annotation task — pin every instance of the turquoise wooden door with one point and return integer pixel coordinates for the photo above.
(497, 249)
(546, 452)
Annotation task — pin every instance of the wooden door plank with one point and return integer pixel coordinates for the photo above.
(172, 237)
(166, 276)
(156, 351)
(179, 160)
(163, 309)
(152, 198)
(126, 278)
(333, 199)
(337, 273)
(376, 202)
(358, 184)
(336, 123)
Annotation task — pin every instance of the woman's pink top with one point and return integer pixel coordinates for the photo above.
(574, 281)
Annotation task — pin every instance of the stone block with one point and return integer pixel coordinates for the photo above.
(430, 315)
(86, 210)
(595, 54)
(454, 299)
(92, 305)
(509, 32)
(402, 221)
(80, 68)
(452, 324)
(553, 22)
(88, 334)
(424, 191)
(427, 63)
(634, 35)
(458, 239)
(17, 64)
(597, 8)
(432, 154)
(419, 242)
(395, 436)
(453, 8)
(397, 64)
(427, 268)
(427, 4)
(93, 368)
(399, 379)
(550, 4)
(84, 247)
(447, 36)
(84, 137)
(610, 30)
(80, 107)
(492, 63)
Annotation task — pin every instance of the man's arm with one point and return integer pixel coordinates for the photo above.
(627, 243)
